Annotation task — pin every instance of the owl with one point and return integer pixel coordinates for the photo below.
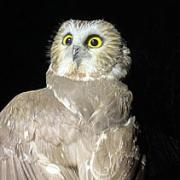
(79, 126)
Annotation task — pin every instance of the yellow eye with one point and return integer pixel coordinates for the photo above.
(68, 39)
(94, 42)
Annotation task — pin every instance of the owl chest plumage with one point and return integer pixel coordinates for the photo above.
(101, 102)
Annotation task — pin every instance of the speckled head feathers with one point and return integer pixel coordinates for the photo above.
(84, 50)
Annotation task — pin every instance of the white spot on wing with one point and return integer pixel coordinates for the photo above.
(52, 169)
(130, 120)
(87, 167)
(8, 151)
(8, 123)
(26, 134)
(100, 140)
(62, 155)
(49, 86)
(66, 103)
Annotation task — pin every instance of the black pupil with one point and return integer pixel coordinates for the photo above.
(94, 42)
(69, 41)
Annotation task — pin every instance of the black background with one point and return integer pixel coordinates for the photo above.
(151, 31)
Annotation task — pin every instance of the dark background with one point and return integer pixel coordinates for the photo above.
(151, 31)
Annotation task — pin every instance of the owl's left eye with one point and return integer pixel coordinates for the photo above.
(68, 39)
(94, 41)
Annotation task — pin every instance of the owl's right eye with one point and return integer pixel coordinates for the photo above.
(68, 39)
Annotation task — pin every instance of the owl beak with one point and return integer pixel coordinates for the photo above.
(75, 52)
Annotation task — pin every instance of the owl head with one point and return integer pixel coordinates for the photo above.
(88, 50)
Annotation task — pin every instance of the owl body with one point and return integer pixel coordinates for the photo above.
(78, 127)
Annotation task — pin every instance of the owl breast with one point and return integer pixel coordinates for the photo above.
(91, 100)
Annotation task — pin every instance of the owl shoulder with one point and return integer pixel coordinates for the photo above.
(26, 104)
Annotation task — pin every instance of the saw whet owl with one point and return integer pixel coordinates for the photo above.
(78, 127)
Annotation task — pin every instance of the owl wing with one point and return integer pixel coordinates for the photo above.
(121, 154)
(113, 110)
(115, 155)
(28, 143)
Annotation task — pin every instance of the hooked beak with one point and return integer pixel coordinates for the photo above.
(75, 52)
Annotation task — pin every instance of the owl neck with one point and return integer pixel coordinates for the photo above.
(81, 76)
(76, 95)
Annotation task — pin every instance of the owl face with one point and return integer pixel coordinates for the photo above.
(84, 50)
